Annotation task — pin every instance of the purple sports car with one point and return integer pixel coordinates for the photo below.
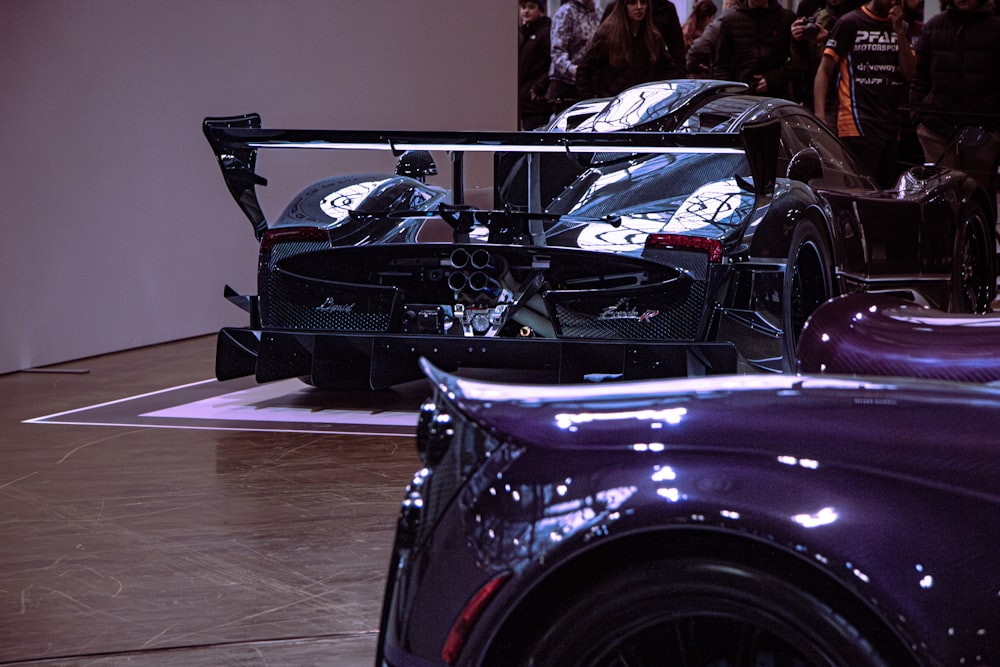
(880, 334)
(711, 522)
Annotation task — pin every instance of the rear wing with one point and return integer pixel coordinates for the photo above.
(235, 141)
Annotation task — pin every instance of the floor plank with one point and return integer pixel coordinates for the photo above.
(122, 545)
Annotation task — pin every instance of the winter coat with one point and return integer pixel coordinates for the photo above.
(701, 54)
(755, 42)
(668, 22)
(597, 77)
(573, 25)
(957, 82)
(533, 59)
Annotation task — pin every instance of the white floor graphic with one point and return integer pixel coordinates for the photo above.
(288, 405)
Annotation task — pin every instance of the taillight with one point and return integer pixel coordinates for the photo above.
(292, 234)
(711, 247)
(463, 625)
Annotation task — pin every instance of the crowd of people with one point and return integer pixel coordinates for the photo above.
(883, 80)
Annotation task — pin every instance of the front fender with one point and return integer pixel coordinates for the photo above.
(843, 534)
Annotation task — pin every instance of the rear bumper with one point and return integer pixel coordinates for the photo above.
(378, 361)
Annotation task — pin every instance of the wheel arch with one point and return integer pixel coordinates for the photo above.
(980, 197)
(974, 191)
(772, 240)
(977, 197)
(699, 542)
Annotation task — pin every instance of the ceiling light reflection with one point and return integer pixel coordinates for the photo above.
(671, 494)
(668, 415)
(663, 474)
(824, 517)
(810, 464)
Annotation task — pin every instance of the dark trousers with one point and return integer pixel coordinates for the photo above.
(562, 94)
(974, 150)
(880, 155)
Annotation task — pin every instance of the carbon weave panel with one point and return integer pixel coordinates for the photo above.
(291, 249)
(469, 447)
(633, 318)
(291, 303)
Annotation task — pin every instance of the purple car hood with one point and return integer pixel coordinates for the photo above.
(943, 434)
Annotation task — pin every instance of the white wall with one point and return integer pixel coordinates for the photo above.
(117, 230)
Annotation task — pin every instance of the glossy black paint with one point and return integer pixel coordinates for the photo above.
(571, 251)
(878, 497)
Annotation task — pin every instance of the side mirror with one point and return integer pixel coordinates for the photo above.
(805, 165)
(416, 164)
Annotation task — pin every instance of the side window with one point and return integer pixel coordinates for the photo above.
(789, 146)
(841, 171)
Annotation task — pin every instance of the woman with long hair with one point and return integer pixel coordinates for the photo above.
(701, 15)
(626, 50)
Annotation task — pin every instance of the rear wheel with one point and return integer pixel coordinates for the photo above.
(695, 613)
(808, 282)
(973, 281)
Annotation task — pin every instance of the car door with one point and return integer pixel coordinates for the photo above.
(877, 233)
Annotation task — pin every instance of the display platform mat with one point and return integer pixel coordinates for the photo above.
(244, 405)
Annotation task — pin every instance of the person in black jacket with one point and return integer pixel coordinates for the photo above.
(533, 59)
(626, 50)
(754, 47)
(957, 80)
(700, 55)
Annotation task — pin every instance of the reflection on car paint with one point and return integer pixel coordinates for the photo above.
(697, 160)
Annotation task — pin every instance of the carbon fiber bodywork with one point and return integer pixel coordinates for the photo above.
(878, 334)
(677, 214)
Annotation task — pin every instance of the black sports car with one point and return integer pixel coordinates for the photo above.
(643, 239)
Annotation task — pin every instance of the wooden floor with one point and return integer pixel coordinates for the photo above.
(128, 544)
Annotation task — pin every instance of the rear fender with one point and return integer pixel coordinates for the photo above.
(770, 238)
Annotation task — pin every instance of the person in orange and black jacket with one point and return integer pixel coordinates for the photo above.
(867, 66)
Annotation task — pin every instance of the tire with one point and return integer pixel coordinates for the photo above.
(973, 279)
(695, 613)
(808, 282)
